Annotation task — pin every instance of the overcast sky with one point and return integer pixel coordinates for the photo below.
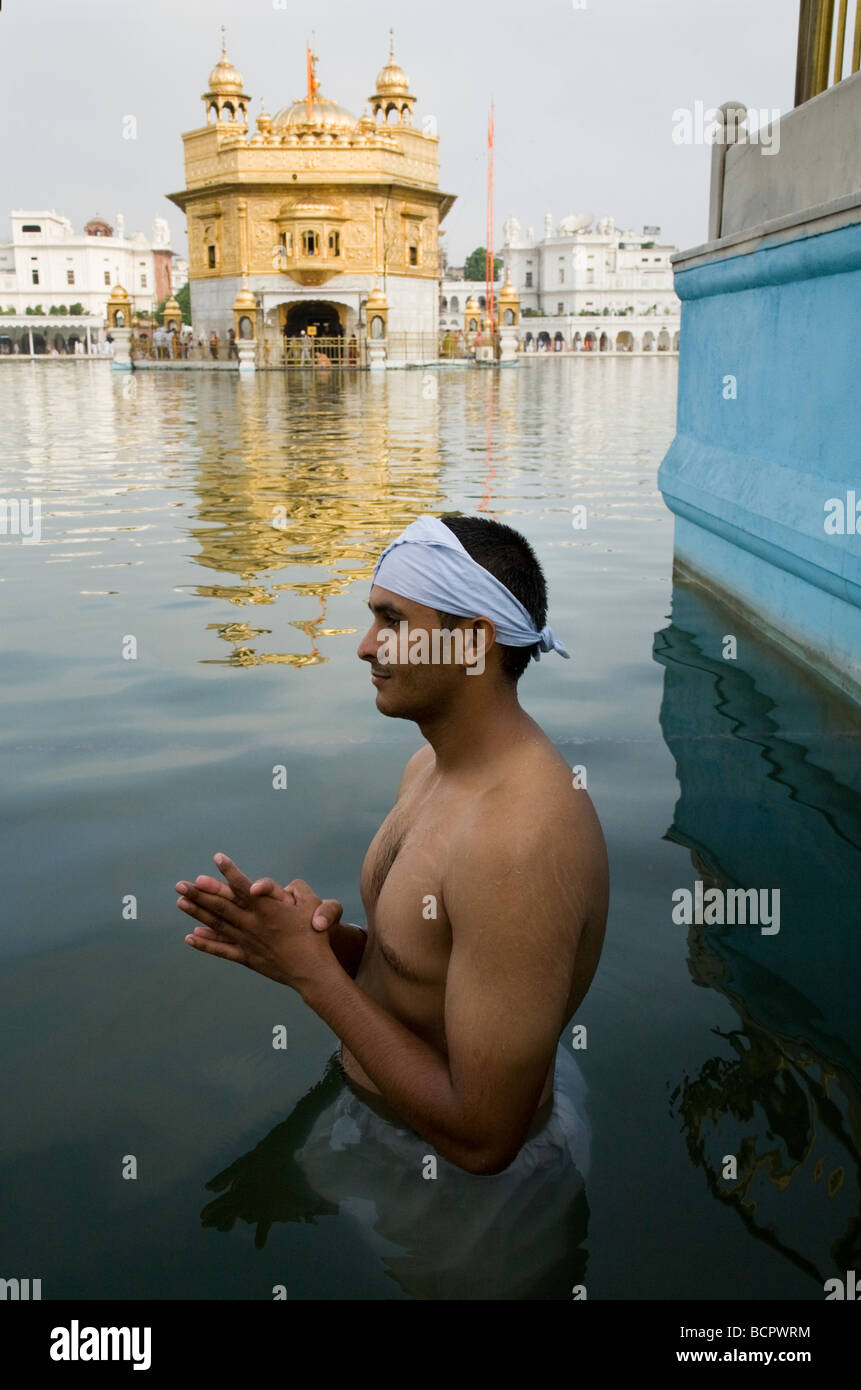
(584, 97)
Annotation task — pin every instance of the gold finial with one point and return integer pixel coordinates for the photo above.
(223, 42)
(391, 45)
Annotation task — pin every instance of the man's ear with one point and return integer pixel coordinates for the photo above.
(478, 638)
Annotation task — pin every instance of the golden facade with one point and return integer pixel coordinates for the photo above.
(313, 198)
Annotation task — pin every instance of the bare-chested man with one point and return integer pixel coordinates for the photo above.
(485, 888)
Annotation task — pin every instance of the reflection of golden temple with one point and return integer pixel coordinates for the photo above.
(313, 197)
(308, 499)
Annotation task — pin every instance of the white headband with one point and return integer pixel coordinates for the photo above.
(428, 564)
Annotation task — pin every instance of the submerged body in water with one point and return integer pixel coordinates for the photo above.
(438, 1232)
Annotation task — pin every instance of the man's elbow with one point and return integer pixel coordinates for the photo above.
(488, 1156)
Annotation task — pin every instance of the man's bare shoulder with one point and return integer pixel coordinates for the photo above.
(415, 765)
(532, 795)
(533, 823)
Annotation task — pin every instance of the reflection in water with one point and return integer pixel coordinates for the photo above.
(158, 496)
(446, 1234)
(274, 496)
(766, 800)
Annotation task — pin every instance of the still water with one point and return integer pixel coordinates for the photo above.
(231, 529)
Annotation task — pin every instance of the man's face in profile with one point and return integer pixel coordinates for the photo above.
(414, 688)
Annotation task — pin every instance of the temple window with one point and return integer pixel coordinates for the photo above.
(210, 257)
(310, 243)
(335, 243)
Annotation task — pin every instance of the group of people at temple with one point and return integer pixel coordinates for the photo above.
(323, 349)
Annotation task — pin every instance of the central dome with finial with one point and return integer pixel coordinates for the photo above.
(316, 110)
(323, 113)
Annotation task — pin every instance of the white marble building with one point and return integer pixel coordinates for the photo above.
(453, 295)
(582, 267)
(48, 263)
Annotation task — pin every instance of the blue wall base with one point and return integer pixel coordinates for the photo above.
(811, 624)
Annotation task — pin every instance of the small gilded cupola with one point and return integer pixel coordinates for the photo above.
(225, 101)
(393, 92)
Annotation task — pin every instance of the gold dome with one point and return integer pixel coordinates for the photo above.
(224, 79)
(472, 305)
(323, 113)
(392, 80)
(376, 299)
(307, 207)
(508, 292)
(118, 292)
(244, 300)
(171, 306)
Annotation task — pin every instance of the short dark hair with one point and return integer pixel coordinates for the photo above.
(509, 557)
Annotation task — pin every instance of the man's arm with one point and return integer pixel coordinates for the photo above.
(348, 943)
(515, 917)
(513, 899)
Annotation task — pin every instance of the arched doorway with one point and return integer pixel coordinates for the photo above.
(624, 341)
(311, 321)
(312, 313)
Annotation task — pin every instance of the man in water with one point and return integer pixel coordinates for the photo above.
(485, 888)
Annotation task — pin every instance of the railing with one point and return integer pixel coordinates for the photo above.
(271, 352)
(821, 40)
(453, 345)
(303, 352)
(142, 348)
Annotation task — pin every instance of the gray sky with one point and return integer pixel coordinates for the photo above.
(584, 97)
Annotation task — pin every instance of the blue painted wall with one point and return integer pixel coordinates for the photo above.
(749, 477)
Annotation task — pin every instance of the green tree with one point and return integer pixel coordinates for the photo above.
(474, 267)
(76, 308)
(183, 299)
